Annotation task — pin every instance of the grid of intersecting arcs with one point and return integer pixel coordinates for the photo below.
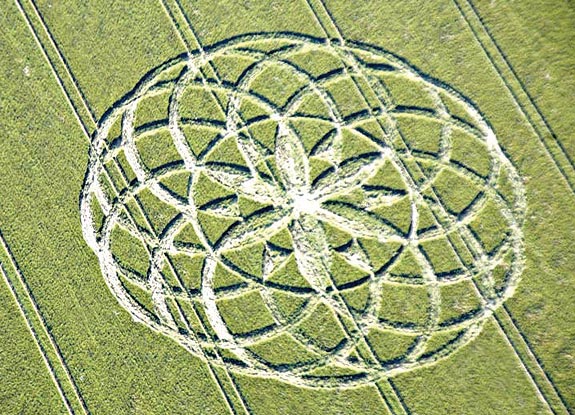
(292, 139)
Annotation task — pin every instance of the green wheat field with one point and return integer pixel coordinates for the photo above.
(287, 207)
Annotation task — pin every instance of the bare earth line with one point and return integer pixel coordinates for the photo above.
(36, 339)
(546, 377)
(54, 71)
(14, 264)
(568, 176)
(395, 394)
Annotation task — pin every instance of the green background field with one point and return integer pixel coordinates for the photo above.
(513, 59)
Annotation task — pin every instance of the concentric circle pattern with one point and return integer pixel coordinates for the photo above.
(289, 207)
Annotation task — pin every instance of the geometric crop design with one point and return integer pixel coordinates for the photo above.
(284, 206)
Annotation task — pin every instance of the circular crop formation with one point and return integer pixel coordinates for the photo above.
(321, 213)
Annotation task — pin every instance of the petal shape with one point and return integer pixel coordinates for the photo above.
(291, 159)
(375, 197)
(224, 206)
(357, 221)
(239, 179)
(258, 226)
(311, 252)
(350, 174)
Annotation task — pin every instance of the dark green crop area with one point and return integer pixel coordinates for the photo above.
(413, 262)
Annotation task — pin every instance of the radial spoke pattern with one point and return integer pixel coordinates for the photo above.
(311, 211)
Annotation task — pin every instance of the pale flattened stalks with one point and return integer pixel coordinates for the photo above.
(317, 216)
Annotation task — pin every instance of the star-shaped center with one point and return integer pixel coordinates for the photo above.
(302, 204)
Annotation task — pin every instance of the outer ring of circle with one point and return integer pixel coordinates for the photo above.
(141, 88)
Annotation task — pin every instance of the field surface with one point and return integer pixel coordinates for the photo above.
(287, 207)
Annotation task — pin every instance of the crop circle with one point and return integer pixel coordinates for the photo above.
(321, 213)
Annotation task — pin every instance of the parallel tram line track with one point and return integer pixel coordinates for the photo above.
(92, 121)
(74, 403)
(340, 38)
(505, 324)
(395, 397)
(35, 336)
(64, 63)
(521, 344)
(525, 104)
(522, 86)
(566, 167)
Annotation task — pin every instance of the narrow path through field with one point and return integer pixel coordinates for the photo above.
(391, 397)
(516, 88)
(389, 394)
(31, 323)
(560, 158)
(544, 393)
(46, 343)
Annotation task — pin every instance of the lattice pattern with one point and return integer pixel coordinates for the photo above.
(321, 213)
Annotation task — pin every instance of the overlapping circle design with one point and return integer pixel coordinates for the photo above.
(284, 206)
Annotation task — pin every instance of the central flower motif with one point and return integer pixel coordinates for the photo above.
(319, 212)
(298, 202)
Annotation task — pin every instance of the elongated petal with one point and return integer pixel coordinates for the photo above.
(374, 197)
(357, 222)
(291, 159)
(256, 227)
(225, 206)
(238, 179)
(349, 175)
(311, 251)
